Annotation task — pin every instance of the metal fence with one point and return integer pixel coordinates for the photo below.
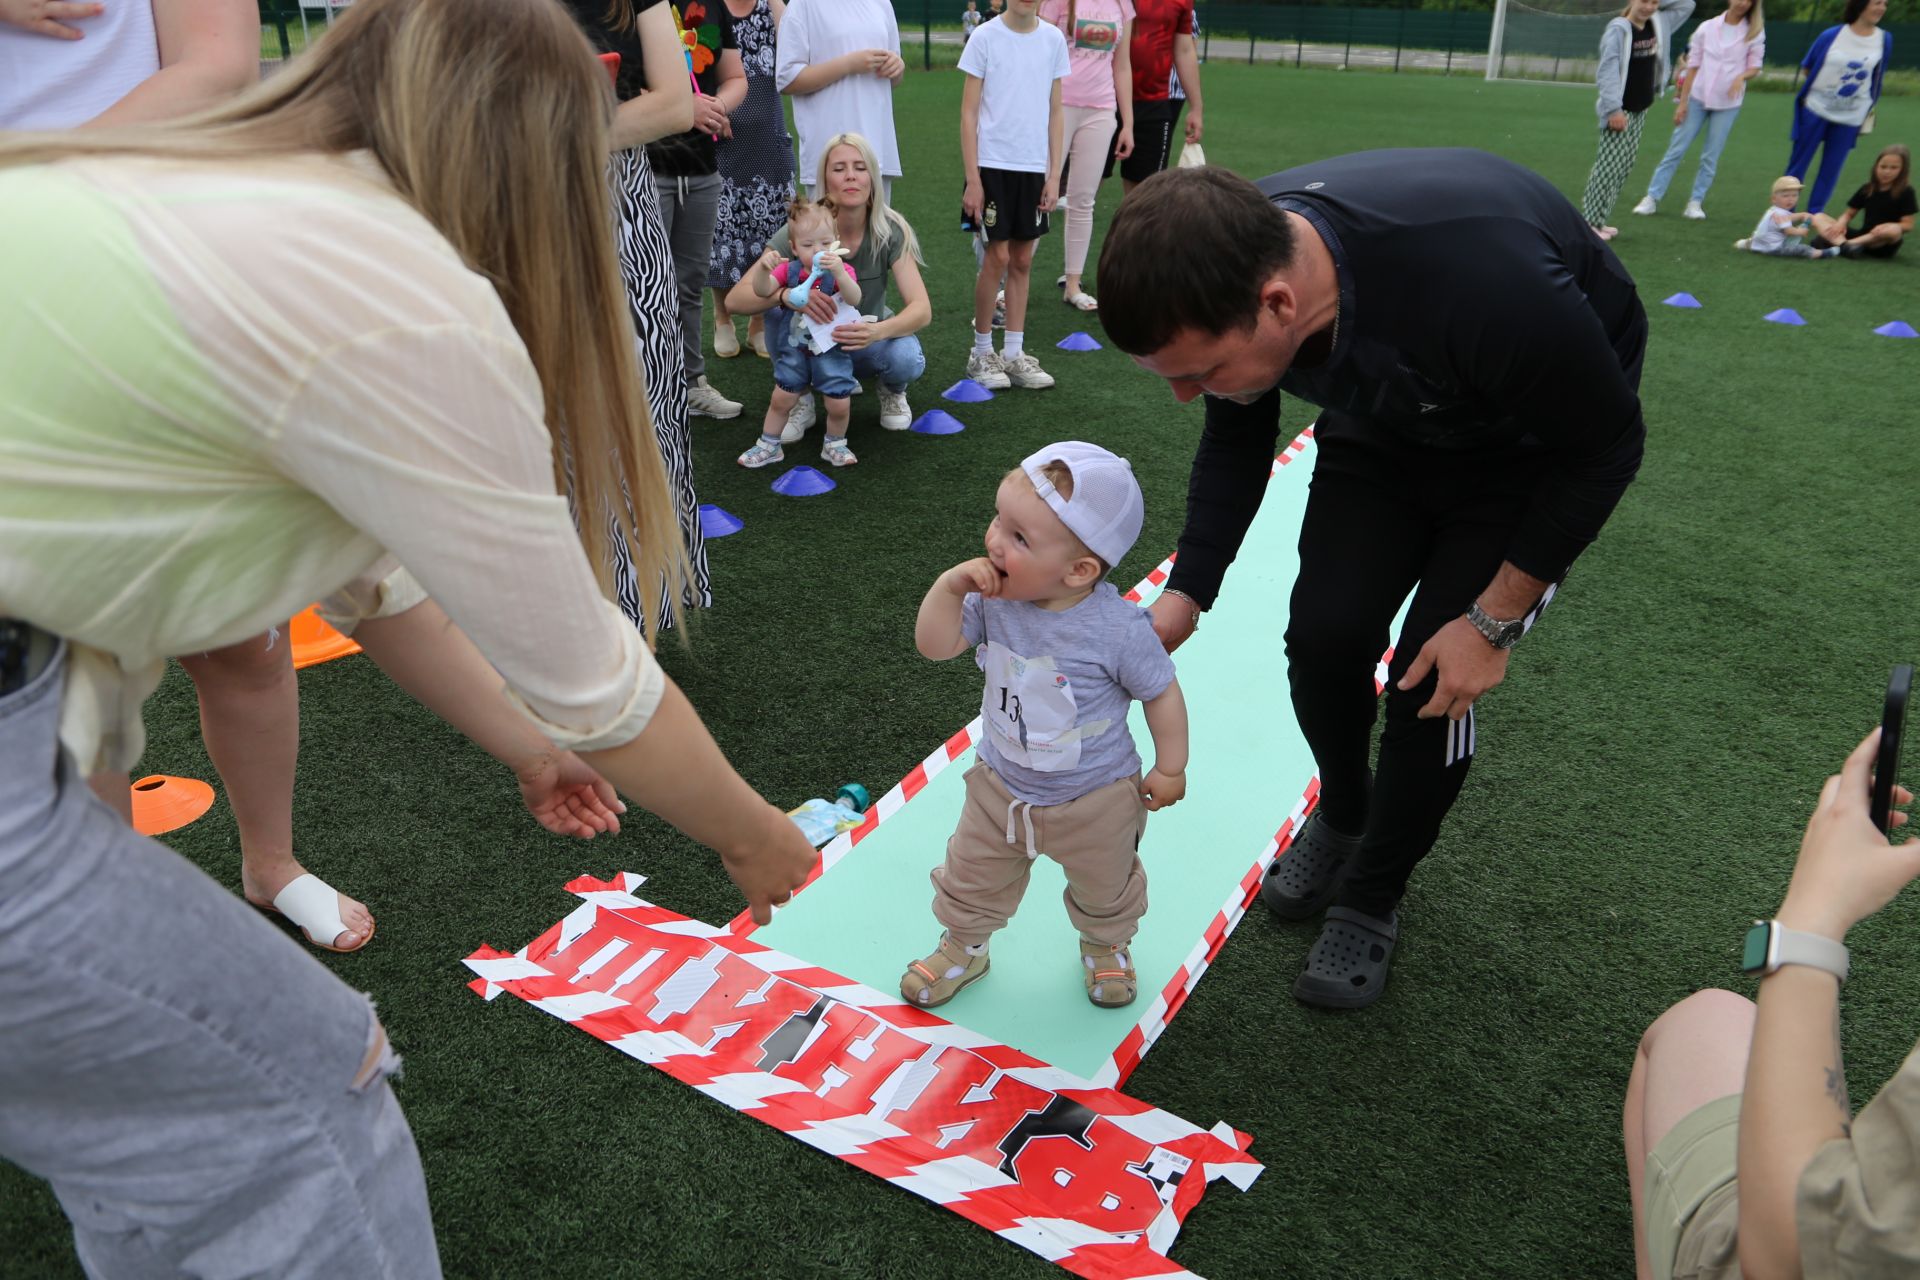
(1439, 36)
(1445, 37)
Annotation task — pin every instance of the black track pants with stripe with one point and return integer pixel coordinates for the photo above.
(1385, 518)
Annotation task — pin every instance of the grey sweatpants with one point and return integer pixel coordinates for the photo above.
(178, 1069)
(688, 208)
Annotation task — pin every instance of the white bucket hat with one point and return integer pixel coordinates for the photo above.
(1106, 510)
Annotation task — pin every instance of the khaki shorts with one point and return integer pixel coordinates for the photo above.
(1693, 1203)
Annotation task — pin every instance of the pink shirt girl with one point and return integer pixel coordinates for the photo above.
(1719, 55)
(1090, 48)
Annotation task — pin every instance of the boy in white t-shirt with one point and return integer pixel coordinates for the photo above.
(1780, 231)
(1064, 658)
(1011, 147)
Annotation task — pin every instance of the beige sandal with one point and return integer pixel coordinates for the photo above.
(940, 977)
(1111, 981)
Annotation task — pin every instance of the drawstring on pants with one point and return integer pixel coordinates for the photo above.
(1032, 851)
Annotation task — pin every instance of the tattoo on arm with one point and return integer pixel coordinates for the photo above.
(1837, 1080)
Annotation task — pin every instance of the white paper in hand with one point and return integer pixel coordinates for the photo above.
(823, 333)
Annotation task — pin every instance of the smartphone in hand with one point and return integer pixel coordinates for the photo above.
(1886, 768)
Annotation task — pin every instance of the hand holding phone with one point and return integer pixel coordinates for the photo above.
(1886, 766)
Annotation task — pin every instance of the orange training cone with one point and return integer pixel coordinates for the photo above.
(162, 804)
(314, 641)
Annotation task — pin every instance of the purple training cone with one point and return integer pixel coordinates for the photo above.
(966, 391)
(1785, 315)
(716, 522)
(803, 482)
(1897, 329)
(1682, 300)
(937, 422)
(1078, 342)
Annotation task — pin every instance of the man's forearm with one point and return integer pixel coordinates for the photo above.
(1795, 1102)
(1512, 592)
(1231, 468)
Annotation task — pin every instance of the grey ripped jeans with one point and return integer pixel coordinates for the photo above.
(197, 1088)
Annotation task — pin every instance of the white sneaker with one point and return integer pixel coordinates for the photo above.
(1646, 205)
(987, 369)
(703, 401)
(1024, 371)
(1742, 243)
(895, 413)
(1694, 211)
(726, 342)
(799, 420)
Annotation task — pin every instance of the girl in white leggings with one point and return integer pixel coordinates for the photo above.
(1100, 85)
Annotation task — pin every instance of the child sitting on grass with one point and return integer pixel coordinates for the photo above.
(796, 365)
(1780, 230)
(1058, 774)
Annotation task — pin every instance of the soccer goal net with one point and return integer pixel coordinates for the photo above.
(1550, 40)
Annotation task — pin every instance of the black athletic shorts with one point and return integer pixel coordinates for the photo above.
(1010, 206)
(1153, 126)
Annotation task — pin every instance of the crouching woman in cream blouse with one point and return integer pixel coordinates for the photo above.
(367, 315)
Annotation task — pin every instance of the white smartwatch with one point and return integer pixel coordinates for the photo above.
(1770, 945)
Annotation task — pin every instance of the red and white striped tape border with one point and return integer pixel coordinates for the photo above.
(1084, 1176)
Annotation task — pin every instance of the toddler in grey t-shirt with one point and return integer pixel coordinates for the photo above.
(1063, 656)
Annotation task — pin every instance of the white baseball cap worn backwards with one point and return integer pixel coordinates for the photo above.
(1106, 509)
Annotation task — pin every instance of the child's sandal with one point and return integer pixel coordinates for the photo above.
(1111, 981)
(836, 453)
(940, 977)
(761, 455)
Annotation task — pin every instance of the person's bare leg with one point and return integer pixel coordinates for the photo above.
(987, 284)
(1885, 234)
(1693, 1053)
(250, 721)
(1019, 280)
(115, 790)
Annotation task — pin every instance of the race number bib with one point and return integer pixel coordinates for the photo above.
(1029, 711)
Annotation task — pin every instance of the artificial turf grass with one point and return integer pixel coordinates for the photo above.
(1641, 787)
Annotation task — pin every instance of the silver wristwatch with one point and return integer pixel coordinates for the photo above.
(1500, 634)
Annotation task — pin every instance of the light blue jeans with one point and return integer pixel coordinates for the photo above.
(187, 1077)
(1718, 125)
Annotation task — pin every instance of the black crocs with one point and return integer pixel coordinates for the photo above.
(1303, 880)
(1347, 968)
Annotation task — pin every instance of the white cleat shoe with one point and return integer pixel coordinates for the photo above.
(1646, 206)
(1694, 211)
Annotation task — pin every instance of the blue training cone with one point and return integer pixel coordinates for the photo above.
(718, 523)
(1785, 315)
(1078, 342)
(1686, 300)
(1897, 329)
(937, 422)
(803, 482)
(966, 391)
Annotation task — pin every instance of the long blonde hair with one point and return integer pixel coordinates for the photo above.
(490, 117)
(1756, 21)
(884, 225)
